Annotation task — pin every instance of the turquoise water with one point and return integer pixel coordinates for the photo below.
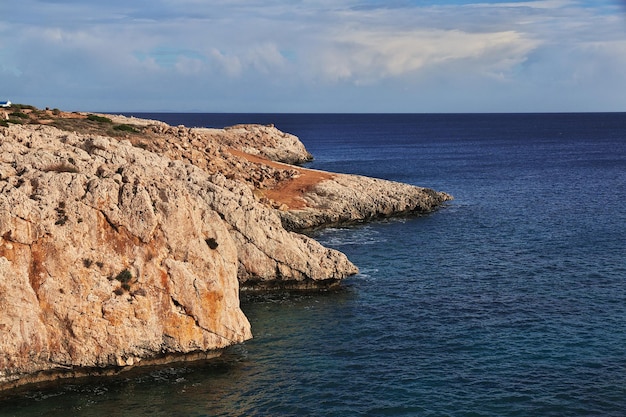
(511, 301)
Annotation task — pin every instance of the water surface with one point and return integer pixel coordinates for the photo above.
(511, 301)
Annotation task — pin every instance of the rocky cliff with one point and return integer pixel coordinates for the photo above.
(129, 245)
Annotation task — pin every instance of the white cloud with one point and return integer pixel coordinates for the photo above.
(316, 49)
(230, 65)
(266, 58)
(537, 4)
(365, 56)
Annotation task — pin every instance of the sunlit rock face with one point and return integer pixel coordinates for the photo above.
(131, 249)
(109, 255)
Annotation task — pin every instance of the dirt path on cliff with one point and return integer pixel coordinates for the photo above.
(288, 192)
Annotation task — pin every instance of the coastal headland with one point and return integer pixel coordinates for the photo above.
(126, 241)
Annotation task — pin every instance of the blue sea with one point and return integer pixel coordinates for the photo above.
(509, 301)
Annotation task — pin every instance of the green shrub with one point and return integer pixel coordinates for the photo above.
(125, 128)
(124, 276)
(23, 106)
(99, 119)
(19, 114)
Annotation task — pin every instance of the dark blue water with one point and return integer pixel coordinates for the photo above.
(511, 301)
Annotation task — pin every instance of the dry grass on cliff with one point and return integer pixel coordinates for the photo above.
(71, 122)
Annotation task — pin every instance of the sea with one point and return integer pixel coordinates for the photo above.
(508, 301)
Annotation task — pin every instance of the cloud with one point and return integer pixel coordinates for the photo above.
(243, 53)
(537, 4)
(366, 56)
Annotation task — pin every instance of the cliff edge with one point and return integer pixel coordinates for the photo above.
(126, 241)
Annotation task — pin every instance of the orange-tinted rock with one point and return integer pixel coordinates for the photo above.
(113, 255)
(100, 272)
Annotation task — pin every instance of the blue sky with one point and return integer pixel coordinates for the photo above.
(314, 55)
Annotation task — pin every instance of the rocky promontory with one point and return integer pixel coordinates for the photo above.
(126, 241)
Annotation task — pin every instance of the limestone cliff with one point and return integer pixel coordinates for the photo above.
(108, 255)
(126, 241)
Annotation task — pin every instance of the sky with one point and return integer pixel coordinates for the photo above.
(314, 56)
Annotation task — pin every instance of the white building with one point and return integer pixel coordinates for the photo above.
(5, 103)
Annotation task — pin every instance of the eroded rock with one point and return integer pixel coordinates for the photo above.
(345, 199)
(123, 251)
(111, 255)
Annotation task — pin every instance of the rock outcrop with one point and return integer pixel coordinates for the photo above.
(345, 199)
(265, 141)
(130, 248)
(111, 255)
(269, 256)
(262, 156)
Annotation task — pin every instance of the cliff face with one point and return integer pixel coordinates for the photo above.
(269, 256)
(258, 157)
(108, 255)
(123, 250)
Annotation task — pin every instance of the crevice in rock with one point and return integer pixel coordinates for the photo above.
(183, 310)
(180, 306)
(113, 225)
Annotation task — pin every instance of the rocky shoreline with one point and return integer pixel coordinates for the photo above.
(126, 241)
